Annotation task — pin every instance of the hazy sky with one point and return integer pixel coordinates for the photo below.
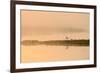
(43, 23)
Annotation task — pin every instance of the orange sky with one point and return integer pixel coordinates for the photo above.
(44, 25)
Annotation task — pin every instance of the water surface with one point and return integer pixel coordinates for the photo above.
(46, 53)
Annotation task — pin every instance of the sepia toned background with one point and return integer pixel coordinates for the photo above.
(38, 25)
(48, 25)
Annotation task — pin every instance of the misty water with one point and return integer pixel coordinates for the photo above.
(46, 53)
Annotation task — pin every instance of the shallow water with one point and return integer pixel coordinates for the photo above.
(45, 53)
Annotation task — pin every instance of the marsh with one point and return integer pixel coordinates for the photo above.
(54, 36)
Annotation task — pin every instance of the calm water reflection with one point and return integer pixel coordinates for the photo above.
(45, 53)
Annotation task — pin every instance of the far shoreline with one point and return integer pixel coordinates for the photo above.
(81, 42)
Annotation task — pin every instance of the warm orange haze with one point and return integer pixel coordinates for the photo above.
(54, 36)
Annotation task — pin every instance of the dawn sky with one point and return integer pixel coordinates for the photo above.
(46, 25)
